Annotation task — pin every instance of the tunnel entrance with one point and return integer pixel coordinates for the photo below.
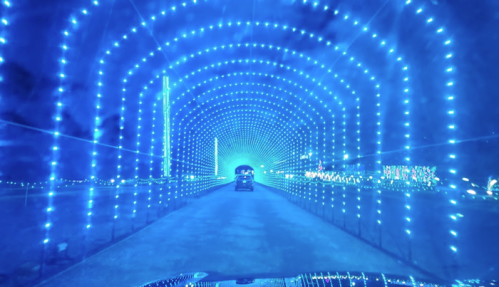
(245, 169)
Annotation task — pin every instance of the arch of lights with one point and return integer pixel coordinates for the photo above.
(252, 155)
(220, 122)
(232, 138)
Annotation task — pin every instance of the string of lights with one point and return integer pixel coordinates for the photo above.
(302, 120)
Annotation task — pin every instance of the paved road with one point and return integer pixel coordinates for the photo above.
(232, 234)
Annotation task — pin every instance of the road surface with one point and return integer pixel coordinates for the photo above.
(230, 234)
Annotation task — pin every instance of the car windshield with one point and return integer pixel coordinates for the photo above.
(328, 140)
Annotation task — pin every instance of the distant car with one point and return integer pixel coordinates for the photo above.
(244, 181)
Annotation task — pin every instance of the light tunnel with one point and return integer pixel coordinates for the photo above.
(370, 126)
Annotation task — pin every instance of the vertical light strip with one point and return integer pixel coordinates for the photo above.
(151, 159)
(96, 136)
(345, 155)
(166, 136)
(450, 97)
(379, 137)
(57, 118)
(407, 112)
(408, 220)
(216, 156)
(358, 130)
(379, 206)
(3, 41)
(334, 140)
(118, 167)
(333, 167)
(139, 127)
(3, 31)
(324, 163)
(161, 172)
(359, 202)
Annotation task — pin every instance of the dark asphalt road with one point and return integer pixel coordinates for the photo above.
(233, 234)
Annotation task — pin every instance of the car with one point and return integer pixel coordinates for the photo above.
(244, 181)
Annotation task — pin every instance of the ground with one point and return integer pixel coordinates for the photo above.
(233, 234)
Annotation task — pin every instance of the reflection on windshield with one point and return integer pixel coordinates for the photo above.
(237, 142)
